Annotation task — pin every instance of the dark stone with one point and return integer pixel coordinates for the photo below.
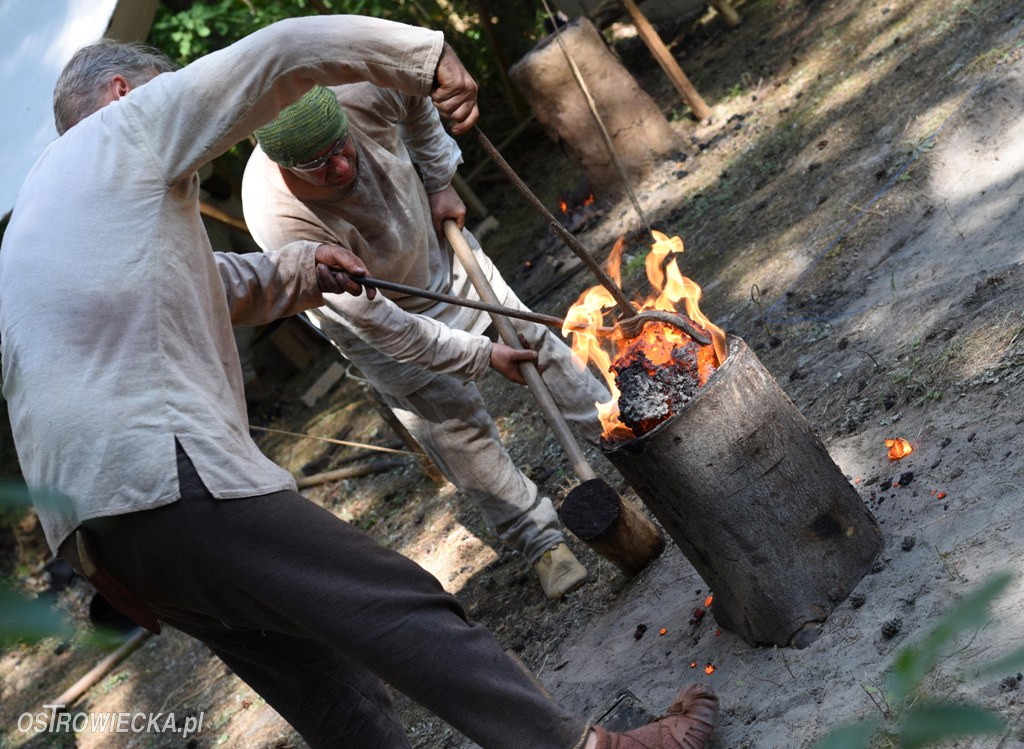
(892, 627)
(908, 543)
(857, 600)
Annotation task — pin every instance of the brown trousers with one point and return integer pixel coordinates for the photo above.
(313, 615)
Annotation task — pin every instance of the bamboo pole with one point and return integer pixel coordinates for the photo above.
(667, 62)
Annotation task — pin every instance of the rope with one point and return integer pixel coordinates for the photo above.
(597, 117)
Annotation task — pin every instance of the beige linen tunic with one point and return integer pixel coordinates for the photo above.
(114, 322)
(385, 219)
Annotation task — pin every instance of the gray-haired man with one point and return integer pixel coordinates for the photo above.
(371, 168)
(125, 395)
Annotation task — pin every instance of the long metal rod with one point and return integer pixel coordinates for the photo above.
(528, 369)
(626, 306)
(494, 309)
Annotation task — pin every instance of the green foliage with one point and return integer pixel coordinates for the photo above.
(920, 722)
(188, 30)
(24, 619)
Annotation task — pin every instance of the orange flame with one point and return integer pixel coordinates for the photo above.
(563, 205)
(898, 448)
(671, 289)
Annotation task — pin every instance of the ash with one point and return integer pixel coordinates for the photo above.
(649, 393)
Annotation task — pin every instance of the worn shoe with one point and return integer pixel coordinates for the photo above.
(559, 571)
(687, 724)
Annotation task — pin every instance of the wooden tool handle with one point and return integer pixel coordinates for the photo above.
(529, 370)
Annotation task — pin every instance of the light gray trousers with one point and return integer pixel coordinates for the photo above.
(448, 418)
(450, 421)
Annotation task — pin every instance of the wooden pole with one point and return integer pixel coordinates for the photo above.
(73, 693)
(304, 482)
(667, 62)
(211, 211)
(530, 372)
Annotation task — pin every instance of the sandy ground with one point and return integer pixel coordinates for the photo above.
(853, 212)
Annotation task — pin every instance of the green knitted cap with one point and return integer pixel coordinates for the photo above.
(304, 129)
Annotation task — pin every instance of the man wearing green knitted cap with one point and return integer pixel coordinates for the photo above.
(371, 169)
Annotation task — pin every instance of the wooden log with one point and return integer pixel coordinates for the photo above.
(667, 62)
(611, 525)
(741, 483)
(641, 135)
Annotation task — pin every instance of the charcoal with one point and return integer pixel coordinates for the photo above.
(647, 399)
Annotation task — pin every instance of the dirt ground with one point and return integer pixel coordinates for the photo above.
(853, 211)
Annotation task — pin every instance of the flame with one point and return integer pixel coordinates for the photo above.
(563, 205)
(898, 448)
(671, 290)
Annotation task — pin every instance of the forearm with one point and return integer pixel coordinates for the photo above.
(262, 287)
(410, 338)
(226, 95)
(434, 152)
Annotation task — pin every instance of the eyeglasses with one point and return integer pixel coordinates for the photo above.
(321, 161)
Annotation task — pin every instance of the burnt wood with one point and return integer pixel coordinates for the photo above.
(742, 484)
(611, 525)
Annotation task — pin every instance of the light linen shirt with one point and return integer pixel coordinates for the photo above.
(115, 314)
(404, 153)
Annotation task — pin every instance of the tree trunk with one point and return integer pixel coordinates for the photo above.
(742, 484)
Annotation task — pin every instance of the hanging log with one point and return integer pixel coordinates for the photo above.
(742, 484)
(641, 135)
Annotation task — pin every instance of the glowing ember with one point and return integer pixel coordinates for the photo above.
(660, 370)
(709, 669)
(707, 601)
(898, 448)
(563, 203)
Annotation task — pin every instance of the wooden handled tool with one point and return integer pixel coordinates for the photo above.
(528, 369)
(625, 536)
